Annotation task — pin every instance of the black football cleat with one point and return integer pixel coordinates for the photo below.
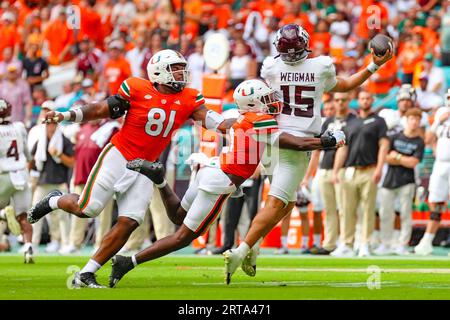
(152, 170)
(42, 208)
(120, 267)
(86, 280)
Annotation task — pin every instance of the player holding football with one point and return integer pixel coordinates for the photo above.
(301, 81)
(15, 192)
(203, 201)
(154, 109)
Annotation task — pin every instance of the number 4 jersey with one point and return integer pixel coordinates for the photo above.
(301, 87)
(152, 118)
(13, 148)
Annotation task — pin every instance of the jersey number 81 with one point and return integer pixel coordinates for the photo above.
(155, 123)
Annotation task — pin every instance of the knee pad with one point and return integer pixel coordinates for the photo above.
(435, 216)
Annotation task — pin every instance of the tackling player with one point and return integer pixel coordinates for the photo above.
(15, 192)
(154, 109)
(439, 187)
(301, 81)
(203, 201)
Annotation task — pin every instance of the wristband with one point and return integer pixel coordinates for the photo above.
(67, 115)
(162, 184)
(78, 115)
(372, 67)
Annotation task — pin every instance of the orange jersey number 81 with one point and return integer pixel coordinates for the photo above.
(155, 124)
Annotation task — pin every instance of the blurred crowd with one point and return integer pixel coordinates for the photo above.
(107, 41)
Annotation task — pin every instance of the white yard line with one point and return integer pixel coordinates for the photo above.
(341, 270)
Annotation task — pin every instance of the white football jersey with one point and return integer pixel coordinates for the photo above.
(442, 131)
(301, 87)
(13, 147)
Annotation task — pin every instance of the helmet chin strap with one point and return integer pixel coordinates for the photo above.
(178, 87)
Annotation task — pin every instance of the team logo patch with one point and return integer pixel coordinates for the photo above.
(158, 58)
(252, 91)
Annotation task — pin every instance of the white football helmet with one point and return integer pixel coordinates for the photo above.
(159, 69)
(256, 96)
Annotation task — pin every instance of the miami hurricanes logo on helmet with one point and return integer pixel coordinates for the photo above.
(252, 91)
(153, 59)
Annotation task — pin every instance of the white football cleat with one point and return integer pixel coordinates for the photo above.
(232, 262)
(249, 263)
(13, 224)
(383, 250)
(343, 251)
(364, 251)
(423, 248)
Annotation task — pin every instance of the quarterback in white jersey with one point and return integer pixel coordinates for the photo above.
(15, 192)
(301, 81)
(439, 187)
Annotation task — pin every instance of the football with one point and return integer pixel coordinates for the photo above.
(380, 44)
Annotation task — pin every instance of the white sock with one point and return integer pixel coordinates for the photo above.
(92, 266)
(133, 258)
(28, 245)
(284, 242)
(305, 241)
(317, 238)
(428, 238)
(53, 202)
(242, 250)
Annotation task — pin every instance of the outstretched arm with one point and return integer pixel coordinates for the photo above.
(212, 120)
(357, 79)
(112, 107)
(288, 141)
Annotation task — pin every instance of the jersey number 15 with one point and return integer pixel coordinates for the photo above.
(296, 110)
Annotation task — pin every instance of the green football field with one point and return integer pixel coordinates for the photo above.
(179, 277)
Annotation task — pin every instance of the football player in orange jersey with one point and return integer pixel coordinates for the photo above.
(217, 180)
(154, 109)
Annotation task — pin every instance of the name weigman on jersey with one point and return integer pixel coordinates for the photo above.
(301, 87)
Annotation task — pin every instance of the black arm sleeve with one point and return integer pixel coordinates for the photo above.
(117, 106)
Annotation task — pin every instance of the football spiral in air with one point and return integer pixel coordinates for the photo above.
(380, 44)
